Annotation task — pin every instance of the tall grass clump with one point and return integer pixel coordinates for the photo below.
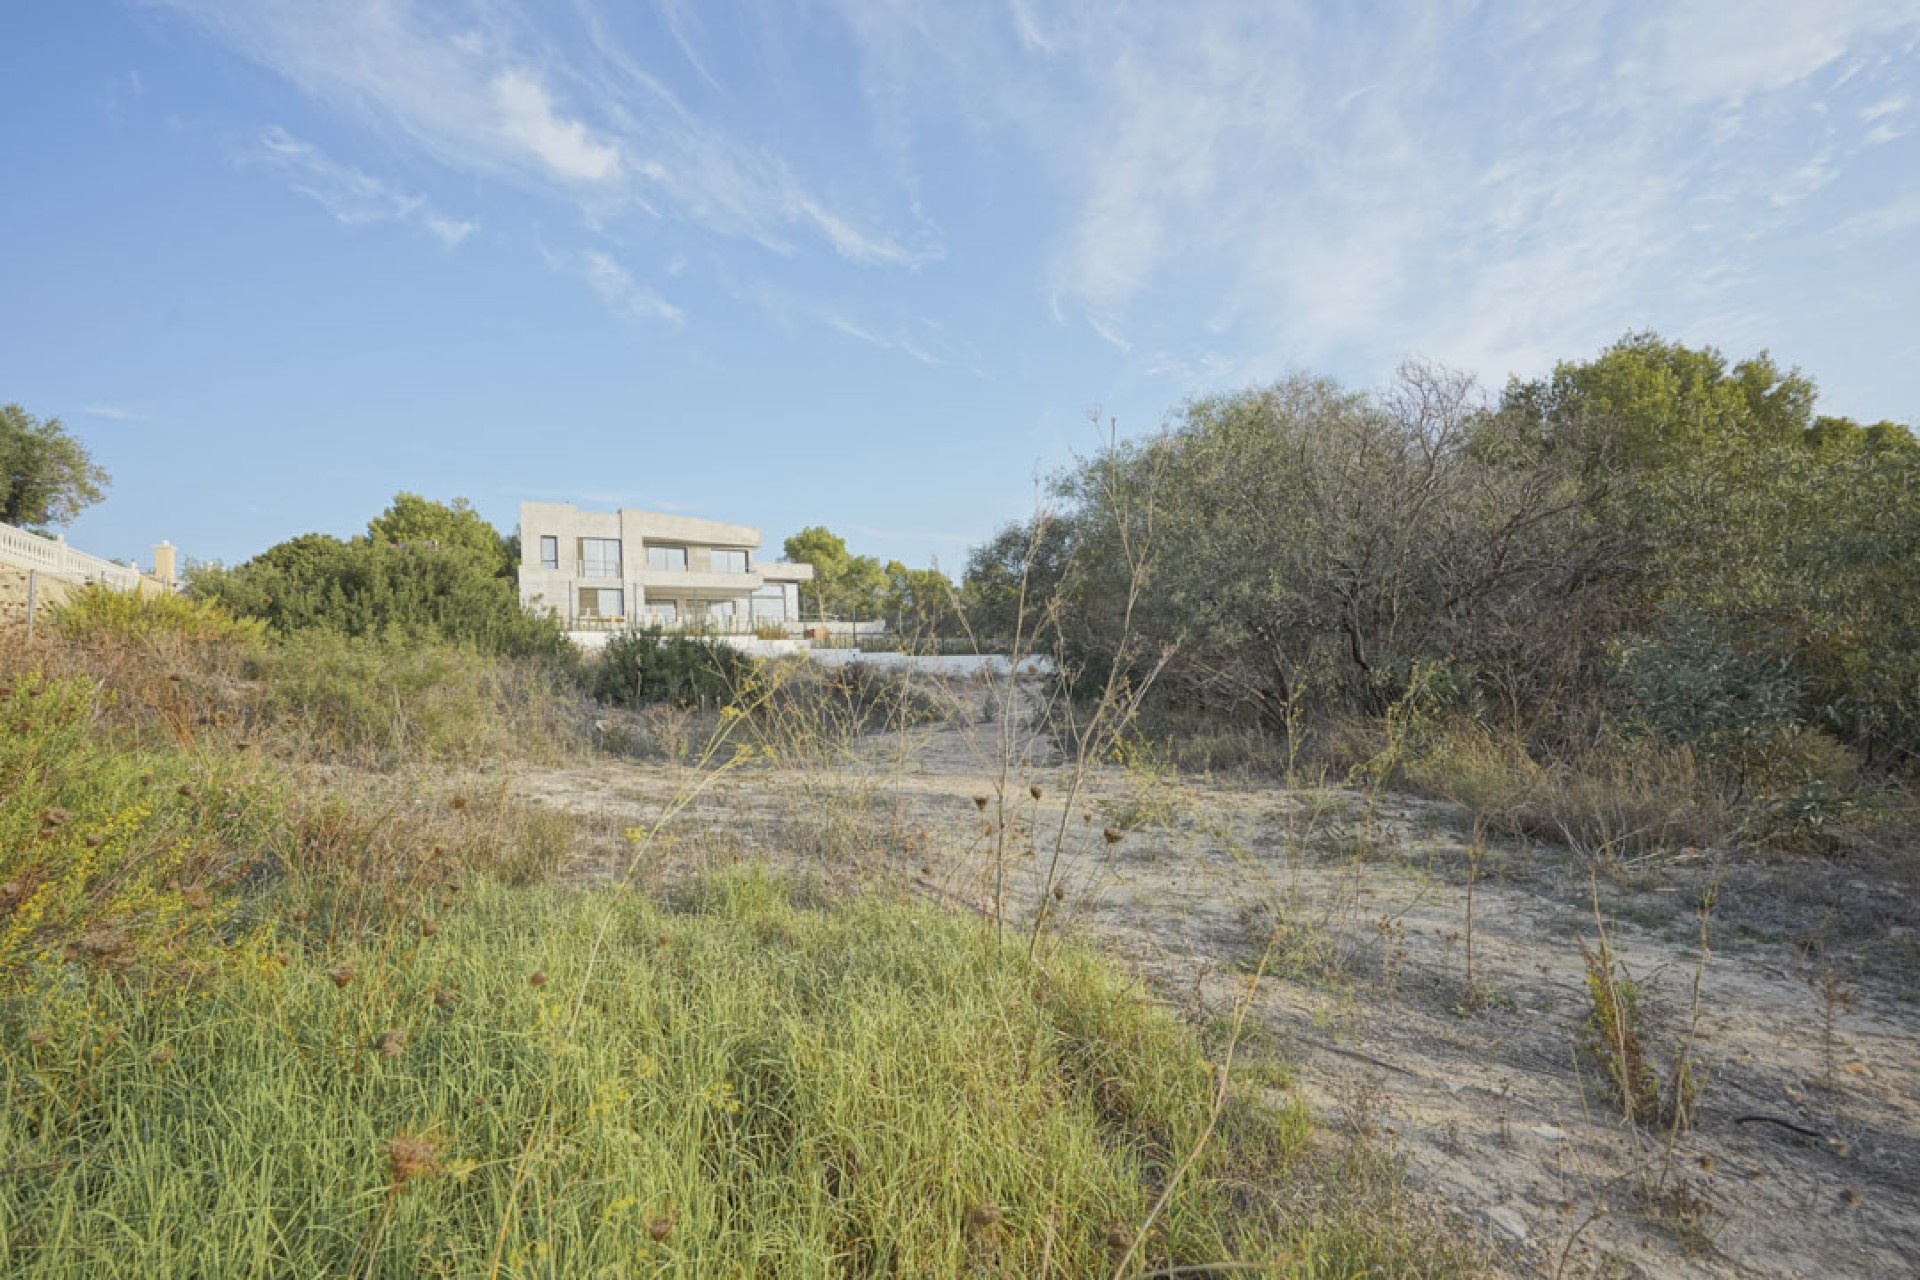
(743, 1086)
(385, 702)
(114, 857)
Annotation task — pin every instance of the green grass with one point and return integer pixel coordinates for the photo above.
(258, 1019)
(827, 1090)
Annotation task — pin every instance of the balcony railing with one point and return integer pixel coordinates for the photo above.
(51, 556)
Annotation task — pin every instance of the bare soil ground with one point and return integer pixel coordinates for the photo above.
(1804, 1159)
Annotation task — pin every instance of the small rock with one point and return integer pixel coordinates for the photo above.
(1548, 1132)
(1508, 1220)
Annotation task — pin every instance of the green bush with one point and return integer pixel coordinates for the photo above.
(99, 614)
(641, 667)
(1734, 705)
(424, 571)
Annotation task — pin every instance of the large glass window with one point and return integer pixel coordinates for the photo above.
(725, 561)
(549, 551)
(599, 557)
(770, 605)
(603, 602)
(669, 559)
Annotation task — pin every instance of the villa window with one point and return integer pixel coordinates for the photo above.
(667, 559)
(663, 611)
(603, 602)
(729, 561)
(769, 605)
(599, 557)
(549, 551)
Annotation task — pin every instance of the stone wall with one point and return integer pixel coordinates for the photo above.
(47, 591)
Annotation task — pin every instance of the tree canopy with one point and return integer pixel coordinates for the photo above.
(46, 476)
(424, 570)
(844, 585)
(1657, 536)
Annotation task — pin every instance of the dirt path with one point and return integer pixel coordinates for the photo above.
(1805, 1157)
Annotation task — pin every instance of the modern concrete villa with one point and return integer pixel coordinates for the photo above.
(609, 570)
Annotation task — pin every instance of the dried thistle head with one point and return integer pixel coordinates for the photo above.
(661, 1227)
(982, 1216)
(980, 803)
(341, 975)
(55, 818)
(392, 1043)
(95, 840)
(444, 996)
(538, 978)
(1036, 791)
(1059, 893)
(1120, 1238)
(428, 926)
(459, 803)
(1113, 835)
(411, 1156)
(39, 1036)
(161, 1055)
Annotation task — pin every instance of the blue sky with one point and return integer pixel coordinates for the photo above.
(873, 264)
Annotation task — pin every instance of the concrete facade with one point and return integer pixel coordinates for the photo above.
(611, 570)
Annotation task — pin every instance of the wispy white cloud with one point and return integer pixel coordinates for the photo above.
(488, 88)
(615, 286)
(1236, 185)
(566, 147)
(1109, 334)
(886, 342)
(114, 413)
(1898, 216)
(1265, 185)
(353, 197)
(1727, 51)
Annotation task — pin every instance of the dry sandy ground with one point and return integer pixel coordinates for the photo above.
(1805, 1158)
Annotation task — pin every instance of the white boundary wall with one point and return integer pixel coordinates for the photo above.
(56, 559)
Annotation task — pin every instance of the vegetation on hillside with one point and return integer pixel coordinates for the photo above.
(423, 571)
(1652, 556)
(259, 1016)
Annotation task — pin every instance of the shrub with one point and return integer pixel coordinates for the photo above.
(639, 667)
(387, 702)
(1736, 706)
(1611, 799)
(174, 671)
(112, 857)
(99, 614)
